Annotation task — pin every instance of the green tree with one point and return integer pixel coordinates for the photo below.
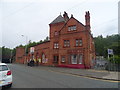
(6, 54)
(102, 44)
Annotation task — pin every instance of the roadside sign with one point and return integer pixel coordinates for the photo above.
(32, 50)
(110, 51)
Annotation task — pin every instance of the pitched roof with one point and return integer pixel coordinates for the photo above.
(67, 22)
(58, 19)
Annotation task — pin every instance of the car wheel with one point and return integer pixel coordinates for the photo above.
(7, 87)
(10, 85)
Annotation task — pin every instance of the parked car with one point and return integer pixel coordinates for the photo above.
(5, 75)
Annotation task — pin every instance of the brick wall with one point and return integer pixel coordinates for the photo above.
(20, 52)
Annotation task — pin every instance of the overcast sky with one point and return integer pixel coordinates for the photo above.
(31, 18)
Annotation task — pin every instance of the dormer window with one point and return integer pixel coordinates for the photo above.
(72, 28)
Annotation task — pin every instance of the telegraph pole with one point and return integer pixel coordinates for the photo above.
(25, 48)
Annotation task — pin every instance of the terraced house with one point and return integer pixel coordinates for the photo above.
(71, 44)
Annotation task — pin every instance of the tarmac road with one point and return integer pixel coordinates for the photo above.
(32, 77)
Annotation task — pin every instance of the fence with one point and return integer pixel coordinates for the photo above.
(107, 66)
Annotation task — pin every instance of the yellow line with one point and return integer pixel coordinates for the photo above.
(83, 76)
(98, 71)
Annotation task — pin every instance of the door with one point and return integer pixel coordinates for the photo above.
(56, 59)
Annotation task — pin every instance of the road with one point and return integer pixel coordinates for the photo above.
(34, 77)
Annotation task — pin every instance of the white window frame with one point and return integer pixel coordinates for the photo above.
(56, 45)
(72, 28)
(79, 42)
(63, 59)
(66, 43)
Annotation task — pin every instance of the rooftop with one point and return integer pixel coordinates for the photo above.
(58, 19)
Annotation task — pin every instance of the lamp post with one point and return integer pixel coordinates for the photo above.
(25, 48)
(11, 56)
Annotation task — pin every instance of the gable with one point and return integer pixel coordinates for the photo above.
(72, 23)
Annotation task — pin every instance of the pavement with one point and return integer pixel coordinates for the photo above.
(90, 73)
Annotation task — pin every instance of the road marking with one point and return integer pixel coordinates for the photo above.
(82, 76)
(98, 71)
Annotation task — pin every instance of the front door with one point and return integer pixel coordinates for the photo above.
(56, 59)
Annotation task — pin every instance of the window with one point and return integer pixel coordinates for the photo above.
(63, 59)
(74, 59)
(80, 59)
(43, 58)
(72, 28)
(3, 68)
(78, 42)
(66, 43)
(56, 45)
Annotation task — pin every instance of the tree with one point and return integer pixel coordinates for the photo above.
(109, 42)
(6, 54)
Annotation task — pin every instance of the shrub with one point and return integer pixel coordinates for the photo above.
(116, 59)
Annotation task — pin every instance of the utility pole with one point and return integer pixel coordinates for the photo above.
(11, 57)
(25, 48)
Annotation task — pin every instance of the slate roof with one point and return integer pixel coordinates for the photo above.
(58, 19)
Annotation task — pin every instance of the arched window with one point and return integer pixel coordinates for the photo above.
(43, 58)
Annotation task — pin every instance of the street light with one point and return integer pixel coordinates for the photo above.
(25, 47)
(11, 56)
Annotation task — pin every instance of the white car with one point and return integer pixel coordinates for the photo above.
(5, 75)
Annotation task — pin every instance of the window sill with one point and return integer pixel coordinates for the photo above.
(63, 62)
(56, 48)
(72, 31)
(55, 62)
(66, 47)
(77, 46)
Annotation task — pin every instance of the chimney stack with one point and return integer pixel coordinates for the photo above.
(87, 20)
(65, 15)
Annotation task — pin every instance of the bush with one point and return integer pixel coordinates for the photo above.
(116, 59)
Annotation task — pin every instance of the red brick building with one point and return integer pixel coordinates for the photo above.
(71, 43)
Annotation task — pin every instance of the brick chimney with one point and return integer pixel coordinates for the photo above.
(87, 20)
(65, 15)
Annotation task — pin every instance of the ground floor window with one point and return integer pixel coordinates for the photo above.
(76, 59)
(43, 58)
(63, 59)
(80, 59)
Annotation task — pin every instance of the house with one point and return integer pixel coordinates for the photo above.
(71, 44)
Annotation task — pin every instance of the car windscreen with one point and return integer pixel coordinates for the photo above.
(3, 68)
